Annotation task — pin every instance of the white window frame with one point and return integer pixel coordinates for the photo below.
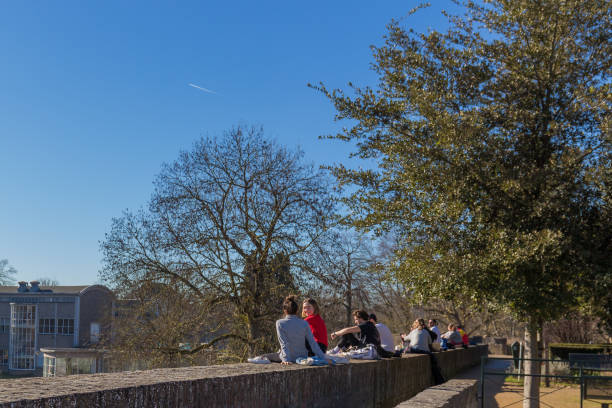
(44, 328)
(63, 329)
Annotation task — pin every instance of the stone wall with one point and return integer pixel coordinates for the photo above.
(451, 394)
(383, 383)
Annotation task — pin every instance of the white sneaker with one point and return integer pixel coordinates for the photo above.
(335, 350)
(259, 360)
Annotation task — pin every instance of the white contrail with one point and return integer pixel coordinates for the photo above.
(202, 89)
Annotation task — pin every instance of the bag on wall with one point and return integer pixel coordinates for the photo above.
(365, 353)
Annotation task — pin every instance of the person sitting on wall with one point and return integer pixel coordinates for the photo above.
(386, 338)
(420, 343)
(310, 314)
(465, 340)
(453, 338)
(419, 338)
(363, 333)
(435, 335)
(433, 326)
(293, 333)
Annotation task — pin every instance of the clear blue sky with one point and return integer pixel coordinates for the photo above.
(94, 97)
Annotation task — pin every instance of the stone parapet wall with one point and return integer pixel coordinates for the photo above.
(451, 394)
(383, 383)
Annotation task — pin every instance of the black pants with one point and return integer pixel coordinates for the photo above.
(322, 346)
(435, 369)
(348, 340)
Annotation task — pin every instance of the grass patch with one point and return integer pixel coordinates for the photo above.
(511, 379)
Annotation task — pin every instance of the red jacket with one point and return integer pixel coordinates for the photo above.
(317, 326)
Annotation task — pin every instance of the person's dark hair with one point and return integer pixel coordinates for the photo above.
(434, 321)
(313, 303)
(373, 317)
(422, 323)
(362, 314)
(290, 306)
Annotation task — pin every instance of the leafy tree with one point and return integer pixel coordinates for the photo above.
(7, 272)
(493, 148)
(225, 221)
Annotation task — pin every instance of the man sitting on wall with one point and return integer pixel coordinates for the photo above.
(386, 338)
(363, 333)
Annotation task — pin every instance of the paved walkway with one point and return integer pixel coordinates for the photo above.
(493, 383)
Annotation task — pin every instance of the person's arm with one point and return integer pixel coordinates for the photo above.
(282, 339)
(346, 330)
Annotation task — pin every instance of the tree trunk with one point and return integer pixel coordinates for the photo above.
(531, 392)
(251, 336)
(348, 301)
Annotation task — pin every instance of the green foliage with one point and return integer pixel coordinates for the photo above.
(493, 148)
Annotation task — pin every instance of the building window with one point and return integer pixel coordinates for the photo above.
(3, 357)
(65, 326)
(49, 366)
(5, 324)
(94, 332)
(46, 326)
(22, 346)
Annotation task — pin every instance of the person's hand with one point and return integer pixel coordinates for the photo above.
(286, 363)
(334, 335)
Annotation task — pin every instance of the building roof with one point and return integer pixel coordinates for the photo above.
(68, 290)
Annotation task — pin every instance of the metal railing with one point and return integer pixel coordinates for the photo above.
(577, 375)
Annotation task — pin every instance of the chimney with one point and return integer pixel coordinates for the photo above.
(34, 286)
(23, 287)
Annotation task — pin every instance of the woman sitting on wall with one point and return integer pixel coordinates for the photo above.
(419, 338)
(310, 313)
(453, 338)
(293, 333)
(420, 343)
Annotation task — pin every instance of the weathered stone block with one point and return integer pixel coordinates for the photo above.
(451, 394)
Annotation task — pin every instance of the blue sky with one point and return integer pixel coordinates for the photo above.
(94, 97)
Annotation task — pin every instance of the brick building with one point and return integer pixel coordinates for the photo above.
(34, 317)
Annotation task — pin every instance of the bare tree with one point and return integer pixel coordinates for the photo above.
(342, 265)
(171, 326)
(226, 221)
(48, 282)
(575, 328)
(7, 272)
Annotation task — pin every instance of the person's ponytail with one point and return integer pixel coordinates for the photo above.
(290, 306)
